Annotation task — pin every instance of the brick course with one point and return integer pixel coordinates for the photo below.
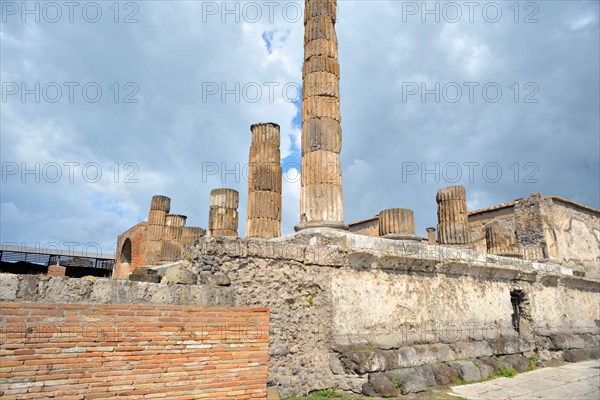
(138, 351)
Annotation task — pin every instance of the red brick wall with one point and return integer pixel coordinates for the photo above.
(140, 351)
(137, 235)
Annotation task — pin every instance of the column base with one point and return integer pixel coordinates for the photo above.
(321, 224)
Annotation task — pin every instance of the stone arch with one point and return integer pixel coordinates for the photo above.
(126, 252)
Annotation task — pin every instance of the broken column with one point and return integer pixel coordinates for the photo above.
(431, 236)
(453, 226)
(397, 223)
(171, 248)
(223, 215)
(157, 217)
(264, 182)
(321, 200)
(501, 240)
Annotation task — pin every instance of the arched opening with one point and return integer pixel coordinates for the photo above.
(126, 252)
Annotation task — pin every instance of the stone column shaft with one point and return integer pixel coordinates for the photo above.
(431, 236)
(223, 215)
(321, 197)
(397, 223)
(264, 182)
(453, 225)
(155, 230)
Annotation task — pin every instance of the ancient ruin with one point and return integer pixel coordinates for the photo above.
(321, 198)
(264, 183)
(371, 308)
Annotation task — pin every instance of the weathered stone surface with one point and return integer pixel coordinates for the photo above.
(221, 220)
(575, 355)
(467, 371)
(180, 275)
(264, 152)
(321, 64)
(145, 275)
(171, 250)
(379, 385)
(319, 27)
(509, 345)
(155, 232)
(453, 226)
(157, 217)
(320, 84)
(225, 198)
(518, 362)
(485, 370)
(321, 107)
(161, 203)
(500, 240)
(321, 203)
(444, 375)
(412, 380)
(264, 204)
(400, 221)
(431, 236)
(316, 8)
(321, 134)
(322, 168)
(191, 234)
(471, 349)
(220, 279)
(9, 286)
(175, 220)
(174, 233)
(494, 363)
(265, 176)
(263, 227)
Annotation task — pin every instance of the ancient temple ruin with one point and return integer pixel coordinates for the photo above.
(371, 307)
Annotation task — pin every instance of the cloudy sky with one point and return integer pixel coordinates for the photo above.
(103, 106)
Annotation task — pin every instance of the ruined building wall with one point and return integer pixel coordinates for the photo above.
(131, 256)
(346, 308)
(547, 227)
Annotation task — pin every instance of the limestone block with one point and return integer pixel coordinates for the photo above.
(397, 221)
(171, 251)
(321, 47)
(180, 275)
(321, 106)
(175, 220)
(161, 203)
(222, 219)
(379, 385)
(262, 152)
(320, 84)
(321, 167)
(451, 193)
(264, 176)
(501, 240)
(157, 217)
(262, 204)
(265, 132)
(321, 134)
(155, 232)
(226, 198)
(321, 203)
(452, 211)
(315, 8)
(321, 64)
(319, 27)
(467, 371)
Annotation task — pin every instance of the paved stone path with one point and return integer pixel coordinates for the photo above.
(579, 381)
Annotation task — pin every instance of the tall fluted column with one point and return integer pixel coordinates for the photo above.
(264, 182)
(397, 223)
(453, 226)
(157, 217)
(321, 199)
(223, 215)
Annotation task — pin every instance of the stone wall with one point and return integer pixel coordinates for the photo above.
(356, 313)
(547, 228)
(346, 307)
(111, 350)
(125, 263)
